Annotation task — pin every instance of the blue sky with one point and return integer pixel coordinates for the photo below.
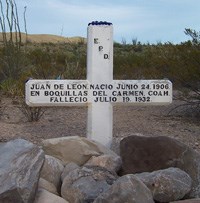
(147, 20)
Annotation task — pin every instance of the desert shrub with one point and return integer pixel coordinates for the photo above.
(13, 56)
(31, 113)
(74, 70)
(131, 64)
(9, 87)
(183, 63)
(56, 64)
(41, 64)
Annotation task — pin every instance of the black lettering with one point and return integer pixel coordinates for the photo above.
(58, 86)
(35, 93)
(46, 93)
(165, 93)
(100, 48)
(106, 56)
(142, 99)
(126, 99)
(94, 93)
(105, 99)
(96, 40)
(32, 87)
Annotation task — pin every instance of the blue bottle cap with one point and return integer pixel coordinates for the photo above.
(99, 23)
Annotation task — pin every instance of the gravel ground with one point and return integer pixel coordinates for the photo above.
(127, 120)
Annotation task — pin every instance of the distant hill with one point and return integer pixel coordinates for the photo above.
(46, 38)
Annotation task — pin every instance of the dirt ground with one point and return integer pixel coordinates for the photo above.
(127, 120)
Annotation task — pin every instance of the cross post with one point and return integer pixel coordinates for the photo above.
(100, 71)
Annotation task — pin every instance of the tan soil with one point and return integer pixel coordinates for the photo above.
(128, 120)
(46, 38)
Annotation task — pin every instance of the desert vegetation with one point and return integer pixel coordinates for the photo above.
(23, 59)
(177, 62)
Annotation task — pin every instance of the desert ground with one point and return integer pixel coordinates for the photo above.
(182, 124)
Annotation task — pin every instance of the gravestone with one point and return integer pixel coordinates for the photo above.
(99, 92)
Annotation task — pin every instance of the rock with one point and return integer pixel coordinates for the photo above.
(168, 184)
(51, 171)
(44, 184)
(147, 154)
(69, 167)
(127, 188)
(112, 163)
(20, 165)
(44, 196)
(188, 201)
(86, 183)
(74, 149)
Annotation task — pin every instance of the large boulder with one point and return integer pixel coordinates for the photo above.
(112, 163)
(74, 149)
(168, 184)
(44, 196)
(51, 171)
(20, 165)
(68, 168)
(87, 183)
(147, 154)
(44, 184)
(127, 188)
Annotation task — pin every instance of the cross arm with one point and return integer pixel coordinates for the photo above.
(148, 92)
(56, 92)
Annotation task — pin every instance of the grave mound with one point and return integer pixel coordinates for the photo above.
(95, 176)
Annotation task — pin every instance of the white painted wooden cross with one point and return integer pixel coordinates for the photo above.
(99, 92)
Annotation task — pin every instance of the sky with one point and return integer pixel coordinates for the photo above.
(149, 21)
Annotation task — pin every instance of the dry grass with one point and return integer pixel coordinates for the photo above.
(47, 38)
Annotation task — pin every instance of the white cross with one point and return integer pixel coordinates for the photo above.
(99, 92)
